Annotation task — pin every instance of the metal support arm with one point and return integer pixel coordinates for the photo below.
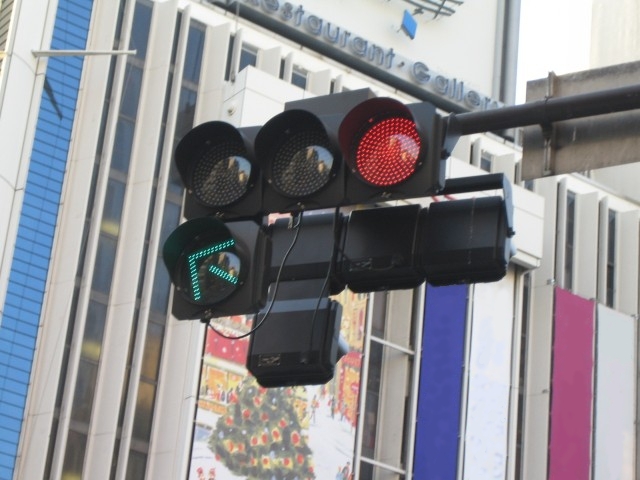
(547, 111)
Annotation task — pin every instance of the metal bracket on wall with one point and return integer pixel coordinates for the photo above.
(78, 53)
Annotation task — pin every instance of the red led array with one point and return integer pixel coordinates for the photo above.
(388, 152)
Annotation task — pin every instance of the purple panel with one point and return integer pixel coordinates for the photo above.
(438, 422)
(572, 388)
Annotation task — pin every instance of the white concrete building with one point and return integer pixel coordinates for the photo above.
(470, 382)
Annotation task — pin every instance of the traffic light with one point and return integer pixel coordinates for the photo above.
(344, 150)
(312, 249)
(468, 240)
(300, 344)
(449, 242)
(324, 152)
(351, 148)
(217, 268)
(217, 166)
(393, 151)
(302, 168)
(379, 249)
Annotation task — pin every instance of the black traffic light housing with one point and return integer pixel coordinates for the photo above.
(217, 268)
(314, 253)
(379, 249)
(298, 149)
(325, 152)
(469, 240)
(302, 168)
(301, 343)
(217, 166)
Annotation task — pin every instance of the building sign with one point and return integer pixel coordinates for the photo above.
(385, 58)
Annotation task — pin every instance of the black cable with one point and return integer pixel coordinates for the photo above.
(297, 221)
(336, 231)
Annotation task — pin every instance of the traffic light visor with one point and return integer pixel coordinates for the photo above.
(296, 154)
(381, 142)
(214, 164)
(203, 259)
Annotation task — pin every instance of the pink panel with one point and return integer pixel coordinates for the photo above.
(572, 388)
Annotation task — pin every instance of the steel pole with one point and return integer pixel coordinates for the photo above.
(547, 111)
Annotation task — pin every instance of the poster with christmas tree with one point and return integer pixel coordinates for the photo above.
(243, 431)
(261, 435)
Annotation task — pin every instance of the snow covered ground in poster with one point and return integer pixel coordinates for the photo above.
(331, 439)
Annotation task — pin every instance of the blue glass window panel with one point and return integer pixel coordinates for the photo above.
(193, 58)
(186, 111)
(122, 145)
(175, 184)
(105, 260)
(140, 29)
(74, 455)
(170, 220)
(131, 92)
(114, 201)
(161, 289)
(84, 392)
(94, 329)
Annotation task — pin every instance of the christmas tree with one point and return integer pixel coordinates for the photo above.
(260, 436)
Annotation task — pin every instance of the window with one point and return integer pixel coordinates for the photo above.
(390, 366)
(569, 245)
(611, 258)
(248, 56)
(485, 161)
(299, 77)
(520, 436)
(110, 220)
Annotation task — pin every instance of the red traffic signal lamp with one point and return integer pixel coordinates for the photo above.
(392, 151)
(217, 268)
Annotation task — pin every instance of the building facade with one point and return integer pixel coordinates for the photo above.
(97, 379)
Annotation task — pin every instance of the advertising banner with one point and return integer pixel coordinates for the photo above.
(245, 431)
(441, 375)
(485, 453)
(571, 388)
(614, 433)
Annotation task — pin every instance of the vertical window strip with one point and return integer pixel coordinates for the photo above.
(90, 241)
(82, 255)
(524, 334)
(143, 366)
(611, 259)
(140, 326)
(569, 245)
(380, 354)
(107, 243)
(149, 376)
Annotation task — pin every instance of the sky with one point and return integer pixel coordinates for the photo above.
(554, 36)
